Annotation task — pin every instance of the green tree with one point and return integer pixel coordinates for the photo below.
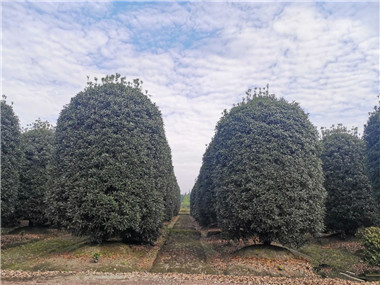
(350, 203)
(371, 240)
(10, 162)
(204, 189)
(168, 183)
(267, 171)
(194, 198)
(37, 145)
(111, 164)
(372, 138)
(185, 201)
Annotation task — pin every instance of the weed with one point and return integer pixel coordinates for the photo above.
(96, 256)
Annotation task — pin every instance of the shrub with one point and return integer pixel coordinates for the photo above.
(194, 201)
(204, 199)
(372, 138)
(266, 171)
(11, 156)
(172, 198)
(349, 203)
(112, 164)
(371, 241)
(37, 146)
(96, 256)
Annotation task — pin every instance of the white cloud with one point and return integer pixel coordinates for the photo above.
(196, 59)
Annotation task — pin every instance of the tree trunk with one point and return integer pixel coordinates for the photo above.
(267, 242)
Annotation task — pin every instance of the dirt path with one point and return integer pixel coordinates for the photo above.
(183, 251)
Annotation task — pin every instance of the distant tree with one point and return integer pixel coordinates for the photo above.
(194, 198)
(10, 163)
(185, 203)
(172, 198)
(205, 201)
(112, 164)
(350, 202)
(168, 183)
(37, 145)
(266, 172)
(372, 139)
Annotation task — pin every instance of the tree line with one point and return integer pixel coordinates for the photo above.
(268, 173)
(104, 171)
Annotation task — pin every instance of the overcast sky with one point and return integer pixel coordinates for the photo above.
(196, 59)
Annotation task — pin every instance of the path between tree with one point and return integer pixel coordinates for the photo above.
(183, 251)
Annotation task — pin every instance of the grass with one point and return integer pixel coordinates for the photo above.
(339, 259)
(31, 230)
(183, 252)
(329, 259)
(265, 251)
(25, 256)
(184, 212)
(63, 252)
(5, 231)
(182, 249)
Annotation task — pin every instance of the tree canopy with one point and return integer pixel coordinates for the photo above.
(350, 202)
(10, 162)
(37, 146)
(372, 138)
(265, 172)
(112, 164)
(203, 196)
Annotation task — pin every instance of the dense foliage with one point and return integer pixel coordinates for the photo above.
(172, 197)
(194, 196)
(372, 139)
(37, 145)
(112, 165)
(350, 202)
(10, 162)
(263, 172)
(203, 199)
(185, 201)
(371, 241)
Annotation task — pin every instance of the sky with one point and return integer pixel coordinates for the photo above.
(195, 59)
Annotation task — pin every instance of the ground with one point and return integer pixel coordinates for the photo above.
(185, 254)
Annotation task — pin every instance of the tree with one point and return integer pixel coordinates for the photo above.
(10, 162)
(185, 201)
(350, 203)
(37, 146)
(372, 139)
(267, 171)
(194, 198)
(168, 184)
(111, 164)
(205, 199)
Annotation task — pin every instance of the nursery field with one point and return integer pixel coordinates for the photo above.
(185, 254)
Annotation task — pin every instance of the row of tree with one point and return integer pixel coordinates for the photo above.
(266, 172)
(105, 171)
